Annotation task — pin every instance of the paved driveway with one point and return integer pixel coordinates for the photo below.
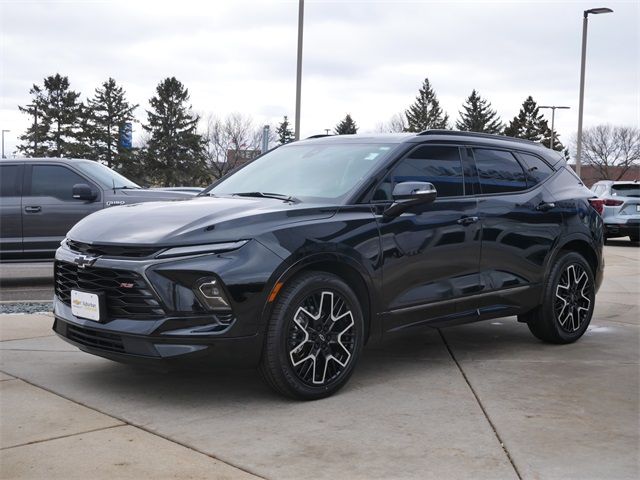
(485, 400)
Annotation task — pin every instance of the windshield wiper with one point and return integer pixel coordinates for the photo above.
(278, 196)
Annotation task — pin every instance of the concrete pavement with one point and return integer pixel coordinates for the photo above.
(485, 400)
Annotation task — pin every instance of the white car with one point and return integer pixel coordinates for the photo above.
(619, 206)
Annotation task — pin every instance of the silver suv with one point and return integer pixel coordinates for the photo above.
(619, 206)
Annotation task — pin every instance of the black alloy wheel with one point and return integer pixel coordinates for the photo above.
(568, 301)
(314, 337)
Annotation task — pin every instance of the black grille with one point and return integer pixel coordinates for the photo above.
(95, 338)
(111, 250)
(127, 294)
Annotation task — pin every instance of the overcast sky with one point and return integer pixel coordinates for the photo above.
(367, 58)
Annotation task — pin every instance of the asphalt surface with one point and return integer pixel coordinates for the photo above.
(484, 400)
(26, 282)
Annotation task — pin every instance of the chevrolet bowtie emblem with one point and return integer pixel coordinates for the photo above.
(84, 261)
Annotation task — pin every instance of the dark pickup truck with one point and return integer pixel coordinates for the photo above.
(42, 198)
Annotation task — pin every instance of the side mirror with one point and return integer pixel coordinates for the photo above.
(82, 191)
(408, 194)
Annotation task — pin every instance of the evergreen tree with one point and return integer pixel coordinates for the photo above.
(284, 132)
(530, 124)
(175, 151)
(60, 115)
(346, 126)
(478, 116)
(426, 113)
(108, 112)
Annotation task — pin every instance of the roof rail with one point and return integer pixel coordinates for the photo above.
(479, 135)
(320, 135)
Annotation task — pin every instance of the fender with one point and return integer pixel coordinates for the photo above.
(284, 273)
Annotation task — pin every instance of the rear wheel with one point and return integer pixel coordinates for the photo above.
(634, 238)
(314, 337)
(568, 302)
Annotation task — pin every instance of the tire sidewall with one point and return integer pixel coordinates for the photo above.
(290, 300)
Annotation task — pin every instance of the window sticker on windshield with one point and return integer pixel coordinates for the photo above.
(384, 148)
(371, 156)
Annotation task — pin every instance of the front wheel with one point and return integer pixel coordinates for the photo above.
(568, 301)
(314, 337)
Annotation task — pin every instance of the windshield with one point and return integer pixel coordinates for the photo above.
(106, 177)
(322, 173)
(626, 190)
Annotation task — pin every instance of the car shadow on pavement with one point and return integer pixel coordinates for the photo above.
(420, 352)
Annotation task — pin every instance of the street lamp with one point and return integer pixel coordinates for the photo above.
(585, 22)
(35, 128)
(3, 142)
(553, 119)
(299, 69)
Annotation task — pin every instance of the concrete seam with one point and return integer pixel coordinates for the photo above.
(63, 436)
(141, 427)
(484, 412)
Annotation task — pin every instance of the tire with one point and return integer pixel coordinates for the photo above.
(568, 302)
(634, 238)
(314, 337)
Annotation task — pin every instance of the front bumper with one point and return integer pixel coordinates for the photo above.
(165, 333)
(129, 341)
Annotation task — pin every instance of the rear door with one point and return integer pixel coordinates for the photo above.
(49, 209)
(10, 207)
(520, 225)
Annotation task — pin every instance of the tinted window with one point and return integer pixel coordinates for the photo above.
(536, 169)
(9, 180)
(626, 189)
(438, 165)
(499, 171)
(53, 181)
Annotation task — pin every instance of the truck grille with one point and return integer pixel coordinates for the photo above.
(127, 294)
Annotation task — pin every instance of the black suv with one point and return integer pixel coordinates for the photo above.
(299, 258)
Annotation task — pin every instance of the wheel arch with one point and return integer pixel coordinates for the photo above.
(346, 269)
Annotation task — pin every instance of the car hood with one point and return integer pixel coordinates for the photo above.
(149, 194)
(192, 222)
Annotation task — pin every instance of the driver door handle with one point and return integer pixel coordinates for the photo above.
(32, 209)
(467, 220)
(545, 206)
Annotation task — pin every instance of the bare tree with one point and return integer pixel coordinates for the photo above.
(611, 150)
(396, 124)
(232, 141)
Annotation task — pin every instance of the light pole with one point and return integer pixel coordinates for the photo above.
(585, 22)
(3, 142)
(35, 128)
(553, 119)
(299, 68)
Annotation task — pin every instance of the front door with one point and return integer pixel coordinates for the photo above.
(10, 207)
(49, 209)
(430, 253)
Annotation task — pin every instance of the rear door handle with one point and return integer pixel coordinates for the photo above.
(545, 206)
(467, 220)
(32, 209)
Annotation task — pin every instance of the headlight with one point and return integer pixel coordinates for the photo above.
(196, 249)
(211, 294)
